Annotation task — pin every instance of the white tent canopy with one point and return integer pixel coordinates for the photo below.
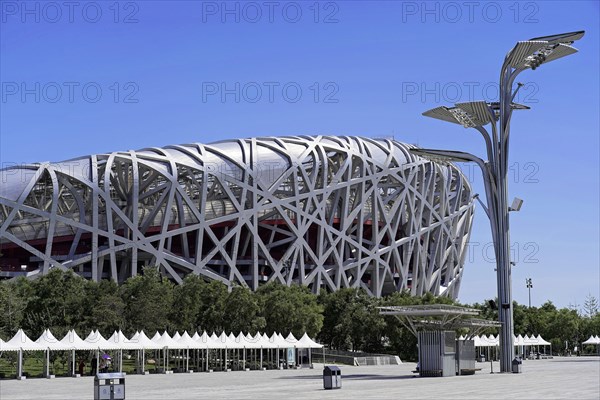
(232, 342)
(592, 340)
(541, 341)
(21, 341)
(518, 341)
(187, 342)
(277, 341)
(119, 341)
(166, 341)
(73, 342)
(96, 339)
(48, 340)
(141, 341)
(307, 343)
(7, 347)
(486, 341)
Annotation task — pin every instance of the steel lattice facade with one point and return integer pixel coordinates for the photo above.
(324, 211)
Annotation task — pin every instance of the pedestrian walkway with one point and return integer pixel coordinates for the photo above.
(558, 378)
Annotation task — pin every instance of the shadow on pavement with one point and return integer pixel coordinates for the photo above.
(354, 376)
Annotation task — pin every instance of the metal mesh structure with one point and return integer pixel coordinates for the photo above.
(324, 211)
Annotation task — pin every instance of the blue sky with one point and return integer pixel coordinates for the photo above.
(103, 76)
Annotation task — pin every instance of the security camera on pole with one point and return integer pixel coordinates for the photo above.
(530, 54)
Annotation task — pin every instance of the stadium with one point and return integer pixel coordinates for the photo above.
(327, 212)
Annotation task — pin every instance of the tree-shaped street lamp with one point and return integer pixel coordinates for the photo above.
(530, 54)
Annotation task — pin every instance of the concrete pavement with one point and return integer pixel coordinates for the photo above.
(558, 378)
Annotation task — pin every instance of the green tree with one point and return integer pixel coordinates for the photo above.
(242, 312)
(105, 309)
(212, 307)
(542, 318)
(352, 321)
(13, 302)
(57, 302)
(590, 326)
(488, 310)
(590, 306)
(148, 301)
(565, 327)
(521, 319)
(290, 309)
(560, 327)
(590, 323)
(187, 304)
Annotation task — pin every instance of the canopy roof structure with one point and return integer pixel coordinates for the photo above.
(437, 317)
(423, 310)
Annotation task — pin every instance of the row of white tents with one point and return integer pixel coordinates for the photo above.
(494, 341)
(592, 340)
(524, 344)
(72, 342)
(139, 341)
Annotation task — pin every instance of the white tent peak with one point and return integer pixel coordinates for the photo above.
(291, 338)
(22, 341)
(73, 341)
(47, 337)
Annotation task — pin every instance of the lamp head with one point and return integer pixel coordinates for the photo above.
(470, 115)
(534, 52)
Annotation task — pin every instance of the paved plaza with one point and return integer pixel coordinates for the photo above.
(559, 378)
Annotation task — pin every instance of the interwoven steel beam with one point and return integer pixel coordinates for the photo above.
(324, 211)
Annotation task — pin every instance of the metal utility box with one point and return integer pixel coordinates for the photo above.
(437, 353)
(332, 377)
(110, 386)
(465, 357)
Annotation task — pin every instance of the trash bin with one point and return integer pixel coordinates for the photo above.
(110, 386)
(516, 365)
(332, 377)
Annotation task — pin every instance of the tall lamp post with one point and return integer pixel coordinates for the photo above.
(525, 55)
(529, 286)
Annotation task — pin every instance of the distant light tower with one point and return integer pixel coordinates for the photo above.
(529, 286)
